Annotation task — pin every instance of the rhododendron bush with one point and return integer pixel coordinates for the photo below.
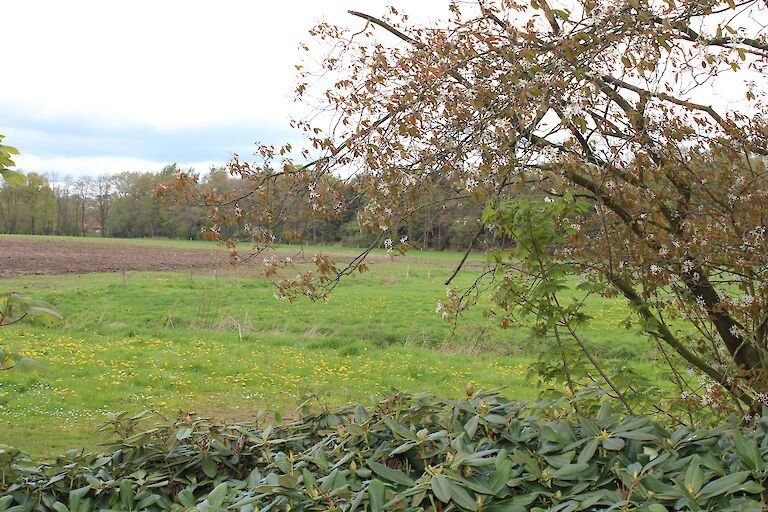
(617, 145)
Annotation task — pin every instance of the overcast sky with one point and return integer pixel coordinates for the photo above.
(99, 86)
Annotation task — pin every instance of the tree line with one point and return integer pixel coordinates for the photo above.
(126, 205)
(121, 205)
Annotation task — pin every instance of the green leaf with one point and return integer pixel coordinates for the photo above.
(361, 415)
(8, 149)
(613, 443)
(399, 429)
(290, 482)
(310, 482)
(503, 471)
(5, 502)
(187, 497)
(44, 314)
(694, 476)
(589, 451)
(571, 471)
(495, 418)
(462, 497)
(723, 484)
(505, 506)
(26, 364)
(126, 495)
(13, 177)
(183, 433)
(376, 495)
(393, 475)
(475, 484)
(217, 495)
(209, 467)
(355, 429)
(471, 426)
(75, 498)
(749, 486)
(441, 488)
(637, 435)
(403, 448)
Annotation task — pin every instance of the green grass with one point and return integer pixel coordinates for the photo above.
(224, 346)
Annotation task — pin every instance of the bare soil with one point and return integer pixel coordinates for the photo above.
(48, 257)
(29, 255)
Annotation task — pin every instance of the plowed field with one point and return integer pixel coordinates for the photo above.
(21, 256)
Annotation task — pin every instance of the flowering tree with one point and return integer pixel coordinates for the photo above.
(592, 135)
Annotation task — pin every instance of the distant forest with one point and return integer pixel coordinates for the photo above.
(125, 206)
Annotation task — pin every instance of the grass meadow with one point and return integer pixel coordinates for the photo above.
(219, 344)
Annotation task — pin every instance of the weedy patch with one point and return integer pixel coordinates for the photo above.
(407, 452)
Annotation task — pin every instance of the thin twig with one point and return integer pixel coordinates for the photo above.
(466, 254)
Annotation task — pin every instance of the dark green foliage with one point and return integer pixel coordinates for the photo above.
(407, 452)
(10, 176)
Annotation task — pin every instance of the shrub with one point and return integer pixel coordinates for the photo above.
(406, 452)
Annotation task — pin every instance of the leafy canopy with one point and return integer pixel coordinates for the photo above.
(594, 102)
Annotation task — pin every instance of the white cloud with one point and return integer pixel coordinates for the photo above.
(94, 86)
(168, 63)
(94, 166)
